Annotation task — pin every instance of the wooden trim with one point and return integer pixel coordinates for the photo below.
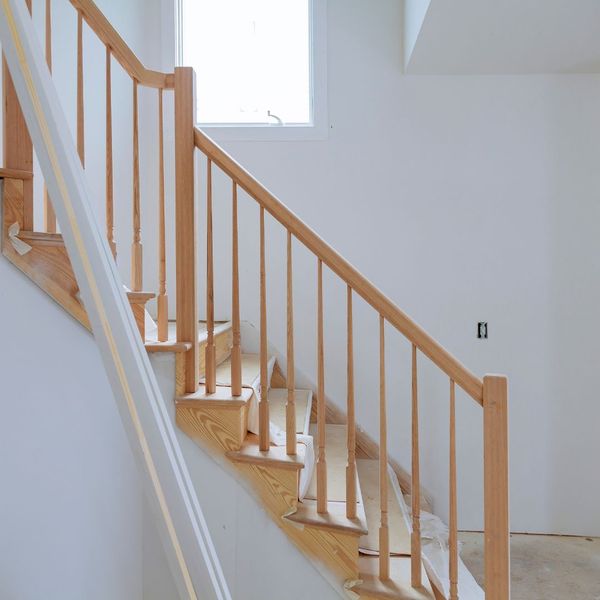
(360, 284)
(384, 534)
(236, 348)
(15, 174)
(415, 537)
(321, 416)
(495, 492)
(351, 424)
(162, 302)
(263, 404)
(453, 510)
(185, 222)
(137, 277)
(108, 35)
(49, 215)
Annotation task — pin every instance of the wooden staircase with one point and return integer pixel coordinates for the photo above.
(325, 483)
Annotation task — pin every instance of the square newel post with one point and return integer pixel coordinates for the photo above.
(495, 456)
(185, 222)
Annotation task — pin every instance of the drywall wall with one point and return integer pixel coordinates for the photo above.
(465, 199)
(70, 503)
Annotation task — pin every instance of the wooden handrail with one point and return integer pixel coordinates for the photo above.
(469, 382)
(120, 50)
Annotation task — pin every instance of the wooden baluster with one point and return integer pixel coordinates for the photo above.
(49, 216)
(495, 493)
(80, 111)
(384, 535)
(136, 246)
(162, 307)
(263, 406)
(17, 146)
(415, 538)
(453, 520)
(209, 361)
(110, 220)
(185, 223)
(351, 424)
(321, 408)
(236, 350)
(290, 407)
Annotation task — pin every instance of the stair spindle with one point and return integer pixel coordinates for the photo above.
(351, 422)
(453, 518)
(415, 538)
(263, 406)
(162, 307)
(110, 220)
(290, 407)
(209, 360)
(49, 215)
(80, 112)
(236, 350)
(321, 412)
(136, 247)
(384, 535)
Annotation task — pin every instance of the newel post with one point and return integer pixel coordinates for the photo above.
(495, 456)
(185, 222)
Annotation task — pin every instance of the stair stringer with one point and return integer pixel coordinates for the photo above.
(249, 540)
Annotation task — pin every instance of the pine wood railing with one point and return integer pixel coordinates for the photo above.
(490, 393)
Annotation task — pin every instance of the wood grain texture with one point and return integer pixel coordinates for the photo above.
(222, 344)
(495, 492)
(453, 510)
(185, 222)
(236, 348)
(290, 408)
(321, 419)
(209, 350)
(49, 215)
(351, 421)
(415, 540)
(162, 306)
(15, 174)
(263, 404)
(137, 279)
(384, 534)
(124, 55)
(360, 284)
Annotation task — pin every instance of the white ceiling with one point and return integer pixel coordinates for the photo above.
(503, 36)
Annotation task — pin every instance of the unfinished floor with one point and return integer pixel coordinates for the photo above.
(544, 567)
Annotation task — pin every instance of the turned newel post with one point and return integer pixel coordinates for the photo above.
(495, 456)
(185, 222)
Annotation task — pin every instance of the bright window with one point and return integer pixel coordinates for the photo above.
(252, 60)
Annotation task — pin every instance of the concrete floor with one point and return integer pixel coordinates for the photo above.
(543, 567)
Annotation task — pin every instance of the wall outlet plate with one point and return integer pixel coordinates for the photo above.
(482, 330)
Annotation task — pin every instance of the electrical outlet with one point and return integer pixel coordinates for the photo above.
(482, 330)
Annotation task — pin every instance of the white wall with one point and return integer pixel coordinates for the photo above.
(464, 199)
(70, 507)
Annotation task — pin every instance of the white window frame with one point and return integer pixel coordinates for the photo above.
(318, 128)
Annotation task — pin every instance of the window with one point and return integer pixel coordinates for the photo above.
(252, 60)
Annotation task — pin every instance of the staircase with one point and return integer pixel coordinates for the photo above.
(327, 485)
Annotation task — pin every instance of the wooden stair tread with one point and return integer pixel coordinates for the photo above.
(335, 518)
(368, 476)
(398, 587)
(275, 456)
(221, 398)
(172, 345)
(277, 398)
(336, 453)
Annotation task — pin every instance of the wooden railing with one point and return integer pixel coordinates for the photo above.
(490, 393)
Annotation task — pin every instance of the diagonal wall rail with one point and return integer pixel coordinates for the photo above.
(188, 544)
